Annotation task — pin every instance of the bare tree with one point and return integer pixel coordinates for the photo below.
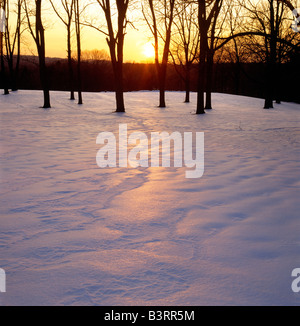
(211, 50)
(2, 34)
(270, 34)
(115, 37)
(67, 18)
(275, 11)
(206, 12)
(159, 16)
(185, 42)
(235, 51)
(284, 50)
(37, 31)
(265, 27)
(77, 12)
(13, 41)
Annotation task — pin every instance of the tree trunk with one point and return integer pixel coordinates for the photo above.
(44, 81)
(70, 65)
(40, 41)
(117, 66)
(119, 88)
(3, 76)
(202, 59)
(78, 39)
(162, 67)
(268, 87)
(46, 99)
(3, 70)
(122, 10)
(162, 85)
(201, 82)
(10, 61)
(17, 68)
(13, 73)
(208, 104)
(80, 101)
(187, 83)
(209, 79)
(120, 102)
(271, 61)
(200, 93)
(161, 71)
(270, 72)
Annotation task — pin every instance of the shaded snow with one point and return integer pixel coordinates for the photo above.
(74, 234)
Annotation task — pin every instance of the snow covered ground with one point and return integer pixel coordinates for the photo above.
(74, 234)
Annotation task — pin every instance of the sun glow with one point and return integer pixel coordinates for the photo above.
(148, 51)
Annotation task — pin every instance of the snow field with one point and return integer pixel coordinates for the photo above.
(74, 234)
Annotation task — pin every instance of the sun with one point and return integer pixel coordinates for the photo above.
(148, 51)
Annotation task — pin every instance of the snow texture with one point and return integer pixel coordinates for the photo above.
(74, 234)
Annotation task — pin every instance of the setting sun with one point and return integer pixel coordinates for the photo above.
(148, 50)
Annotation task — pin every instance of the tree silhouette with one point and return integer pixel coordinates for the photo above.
(38, 33)
(77, 14)
(212, 43)
(185, 42)
(160, 17)
(13, 42)
(270, 35)
(68, 8)
(2, 34)
(115, 38)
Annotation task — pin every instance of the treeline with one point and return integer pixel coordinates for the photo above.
(97, 76)
(245, 47)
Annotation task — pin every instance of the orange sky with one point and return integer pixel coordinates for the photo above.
(137, 45)
(137, 41)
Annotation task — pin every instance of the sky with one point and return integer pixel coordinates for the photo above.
(138, 46)
(138, 42)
